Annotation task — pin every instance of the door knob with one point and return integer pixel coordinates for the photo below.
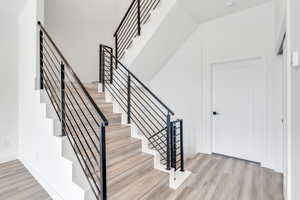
(215, 113)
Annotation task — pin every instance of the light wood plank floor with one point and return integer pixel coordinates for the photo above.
(16, 183)
(217, 177)
(214, 177)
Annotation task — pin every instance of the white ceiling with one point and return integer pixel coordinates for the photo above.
(205, 10)
(11, 6)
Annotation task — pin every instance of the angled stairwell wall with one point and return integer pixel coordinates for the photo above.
(167, 28)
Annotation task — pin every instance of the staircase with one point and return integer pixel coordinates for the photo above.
(149, 35)
(130, 172)
(120, 137)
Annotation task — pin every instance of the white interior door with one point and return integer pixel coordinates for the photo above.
(239, 98)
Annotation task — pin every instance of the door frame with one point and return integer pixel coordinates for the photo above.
(264, 72)
(208, 101)
(286, 136)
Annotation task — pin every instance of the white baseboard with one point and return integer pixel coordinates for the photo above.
(50, 190)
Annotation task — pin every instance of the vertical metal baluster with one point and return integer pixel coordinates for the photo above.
(128, 99)
(181, 146)
(102, 161)
(62, 99)
(168, 140)
(41, 60)
(100, 64)
(139, 16)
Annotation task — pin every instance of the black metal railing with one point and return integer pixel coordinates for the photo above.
(82, 122)
(143, 108)
(137, 14)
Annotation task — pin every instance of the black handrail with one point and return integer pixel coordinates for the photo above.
(131, 24)
(151, 116)
(98, 111)
(139, 81)
(78, 113)
(123, 19)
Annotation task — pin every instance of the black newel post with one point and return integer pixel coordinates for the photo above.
(62, 99)
(111, 66)
(181, 145)
(173, 145)
(116, 49)
(139, 16)
(41, 61)
(103, 161)
(168, 141)
(100, 64)
(102, 68)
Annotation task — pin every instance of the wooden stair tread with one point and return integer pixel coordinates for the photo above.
(111, 148)
(100, 104)
(126, 168)
(109, 130)
(116, 128)
(128, 164)
(121, 143)
(130, 172)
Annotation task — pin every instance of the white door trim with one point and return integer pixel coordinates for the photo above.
(207, 103)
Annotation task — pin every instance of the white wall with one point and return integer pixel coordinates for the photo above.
(121, 8)
(160, 39)
(294, 99)
(39, 149)
(8, 87)
(280, 11)
(78, 28)
(185, 81)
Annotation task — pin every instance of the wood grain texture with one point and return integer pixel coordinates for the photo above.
(131, 173)
(16, 183)
(216, 177)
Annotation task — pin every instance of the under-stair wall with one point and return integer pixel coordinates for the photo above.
(39, 150)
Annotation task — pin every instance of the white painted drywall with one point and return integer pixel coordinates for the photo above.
(203, 10)
(294, 99)
(121, 9)
(170, 25)
(78, 29)
(39, 149)
(12, 7)
(184, 82)
(8, 86)
(280, 11)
